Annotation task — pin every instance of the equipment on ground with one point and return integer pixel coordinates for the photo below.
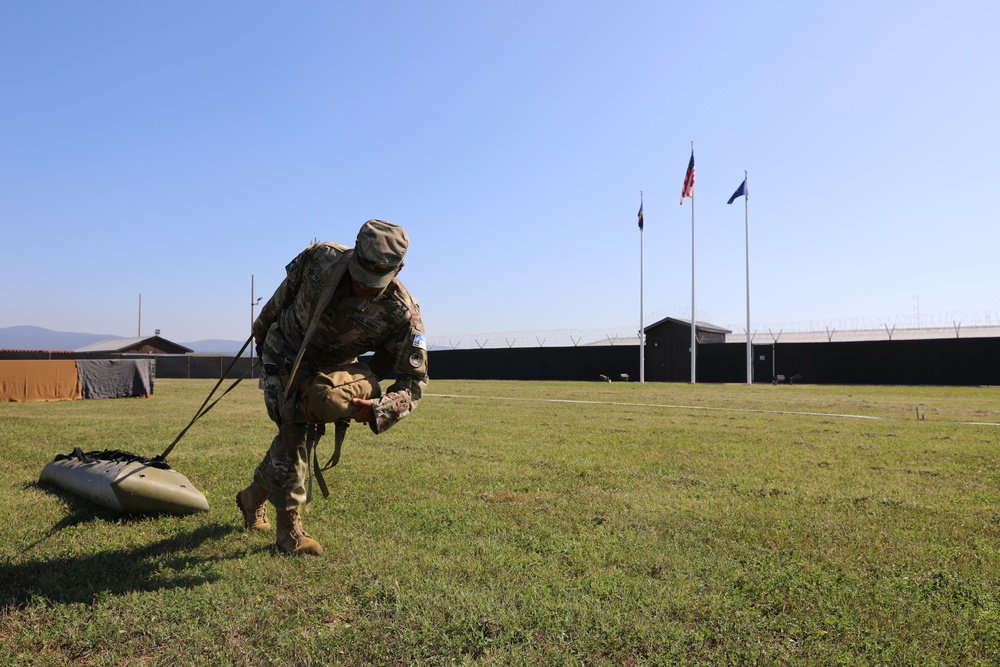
(125, 482)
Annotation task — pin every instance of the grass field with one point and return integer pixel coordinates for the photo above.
(536, 524)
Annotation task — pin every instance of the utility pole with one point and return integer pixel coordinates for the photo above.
(253, 304)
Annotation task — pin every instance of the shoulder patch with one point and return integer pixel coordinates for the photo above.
(291, 265)
(420, 341)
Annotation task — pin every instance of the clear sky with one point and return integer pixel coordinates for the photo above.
(175, 149)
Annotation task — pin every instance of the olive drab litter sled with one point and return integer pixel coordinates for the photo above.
(125, 482)
(130, 483)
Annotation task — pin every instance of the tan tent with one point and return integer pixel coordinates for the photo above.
(39, 380)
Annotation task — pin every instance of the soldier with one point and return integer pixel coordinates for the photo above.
(334, 304)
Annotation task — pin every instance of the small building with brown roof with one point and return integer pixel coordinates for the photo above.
(138, 345)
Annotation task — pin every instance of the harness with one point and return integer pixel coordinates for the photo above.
(316, 431)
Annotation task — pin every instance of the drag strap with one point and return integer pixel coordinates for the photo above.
(324, 300)
(339, 435)
(202, 410)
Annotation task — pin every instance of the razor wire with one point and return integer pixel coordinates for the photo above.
(623, 334)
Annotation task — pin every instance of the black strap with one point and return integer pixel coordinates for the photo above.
(324, 300)
(339, 435)
(112, 455)
(202, 410)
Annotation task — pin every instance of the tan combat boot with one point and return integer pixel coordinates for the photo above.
(252, 501)
(292, 538)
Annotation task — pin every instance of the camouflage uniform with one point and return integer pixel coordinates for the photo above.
(387, 322)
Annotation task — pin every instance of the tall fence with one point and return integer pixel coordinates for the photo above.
(951, 361)
(617, 363)
(955, 361)
(202, 366)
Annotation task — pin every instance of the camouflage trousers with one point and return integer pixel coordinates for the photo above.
(286, 464)
(324, 397)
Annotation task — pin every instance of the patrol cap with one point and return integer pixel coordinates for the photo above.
(378, 252)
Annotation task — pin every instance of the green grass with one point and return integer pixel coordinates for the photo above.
(528, 523)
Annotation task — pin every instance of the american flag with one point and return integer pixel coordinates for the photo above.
(640, 216)
(688, 189)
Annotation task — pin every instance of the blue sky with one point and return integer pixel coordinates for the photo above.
(174, 150)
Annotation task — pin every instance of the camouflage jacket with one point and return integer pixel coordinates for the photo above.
(387, 324)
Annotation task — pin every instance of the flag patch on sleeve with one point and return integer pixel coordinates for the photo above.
(420, 341)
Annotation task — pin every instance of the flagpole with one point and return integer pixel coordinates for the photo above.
(693, 338)
(642, 328)
(746, 218)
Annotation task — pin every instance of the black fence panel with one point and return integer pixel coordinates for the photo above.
(203, 366)
(954, 361)
(725, 362)
(536, 363)
(172, 367)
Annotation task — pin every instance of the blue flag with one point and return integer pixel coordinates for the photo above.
(640, 216)
(740, 191)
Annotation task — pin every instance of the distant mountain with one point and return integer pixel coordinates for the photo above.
(37, 338)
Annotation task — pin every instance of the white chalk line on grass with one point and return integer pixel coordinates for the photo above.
(704, 407)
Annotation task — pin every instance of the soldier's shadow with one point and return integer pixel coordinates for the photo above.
(172, 562)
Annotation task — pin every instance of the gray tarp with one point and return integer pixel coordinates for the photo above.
(116, 378)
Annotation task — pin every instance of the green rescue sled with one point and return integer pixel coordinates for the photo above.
(125, 482)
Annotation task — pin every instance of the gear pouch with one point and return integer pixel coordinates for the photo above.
(326, 396)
